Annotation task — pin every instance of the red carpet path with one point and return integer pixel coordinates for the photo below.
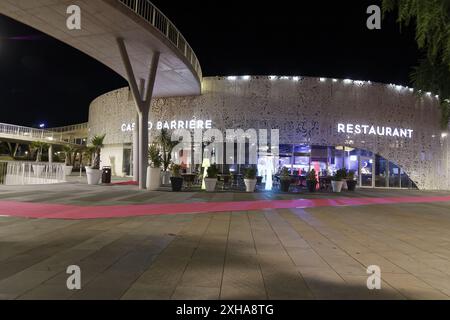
(61, 211)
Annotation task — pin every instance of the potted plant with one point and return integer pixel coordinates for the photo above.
(154, 170)
(38, 149)
(285, 180)
(93, 173)
(338, 180)
(211, 178)
(351, 182)
(250, 179)
(311, 181)
(164, 140)
(176, 180)
(69, 152)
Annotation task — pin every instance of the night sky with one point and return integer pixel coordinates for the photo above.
(43, 80)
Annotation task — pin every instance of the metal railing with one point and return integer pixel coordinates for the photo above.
(31, 173)
(146, 10)
(32, 134)
(71, 128)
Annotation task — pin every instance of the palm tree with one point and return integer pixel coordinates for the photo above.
(38, 148)
(164, 140)
(69, 151)
(97, 144)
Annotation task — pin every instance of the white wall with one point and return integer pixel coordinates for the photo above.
(112, 156)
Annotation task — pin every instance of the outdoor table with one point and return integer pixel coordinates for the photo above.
(189, 178)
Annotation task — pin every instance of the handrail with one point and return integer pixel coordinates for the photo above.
(71, 128)
(33, 134)
(145, 9)
(31, 173)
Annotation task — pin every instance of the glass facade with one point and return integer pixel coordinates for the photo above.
(371, 170)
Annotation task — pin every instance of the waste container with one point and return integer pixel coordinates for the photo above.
(106, 175)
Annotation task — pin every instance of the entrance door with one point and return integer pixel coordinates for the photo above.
(127, 162)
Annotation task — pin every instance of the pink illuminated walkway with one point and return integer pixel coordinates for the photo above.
(62, 211)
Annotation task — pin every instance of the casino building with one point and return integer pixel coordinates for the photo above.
(389, 135)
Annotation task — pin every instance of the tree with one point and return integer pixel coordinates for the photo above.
(69, 152)
(97, 144)
(164, 140)
(37, 148)
(432, 21)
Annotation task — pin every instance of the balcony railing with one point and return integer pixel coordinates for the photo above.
(72, 128)
(32, 134)
(146, 10)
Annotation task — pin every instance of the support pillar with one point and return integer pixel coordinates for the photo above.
(50, 154)
(136, 149)
(143, 100)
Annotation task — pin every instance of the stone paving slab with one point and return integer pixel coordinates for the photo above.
(314, 253)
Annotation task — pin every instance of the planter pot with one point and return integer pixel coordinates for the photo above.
(93, 176)
(210, 184)
(68, 170)
(337, 186)
(285, 184)
(177, 184)
(351, 184)
(38, 169)
(165, 178)
(153, 178)
(250, 185)
(312, 185)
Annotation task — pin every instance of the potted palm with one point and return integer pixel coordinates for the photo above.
(69, 153)
(250, 179)
(164, 140)
(154, 170)
(351, 182)
(285, 180)
(176, 180)
(337, 180)
(311, 181)
(211, 178)
(94, 173)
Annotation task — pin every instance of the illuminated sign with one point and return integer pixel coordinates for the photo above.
(380, 131)
(172, 125)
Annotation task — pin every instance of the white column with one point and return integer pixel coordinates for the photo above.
(136, 149)
(50, 154)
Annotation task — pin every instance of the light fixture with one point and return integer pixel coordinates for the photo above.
(444, 135)
(411, 89)
(428, 93)
(232, 78)
(272, 77)
(296, 79)
(246, 77)
(347, 81)
(322, 79)
(284, 78)
(398, 88)
(359, 83)
(335, 80)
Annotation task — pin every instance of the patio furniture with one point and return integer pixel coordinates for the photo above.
(189, 179)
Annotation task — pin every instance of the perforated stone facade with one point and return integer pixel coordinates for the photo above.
(305, 111)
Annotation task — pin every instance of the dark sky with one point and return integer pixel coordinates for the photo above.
(43, 80)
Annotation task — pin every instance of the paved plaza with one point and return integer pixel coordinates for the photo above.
(289, 253)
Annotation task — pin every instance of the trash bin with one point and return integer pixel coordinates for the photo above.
(106, 175)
